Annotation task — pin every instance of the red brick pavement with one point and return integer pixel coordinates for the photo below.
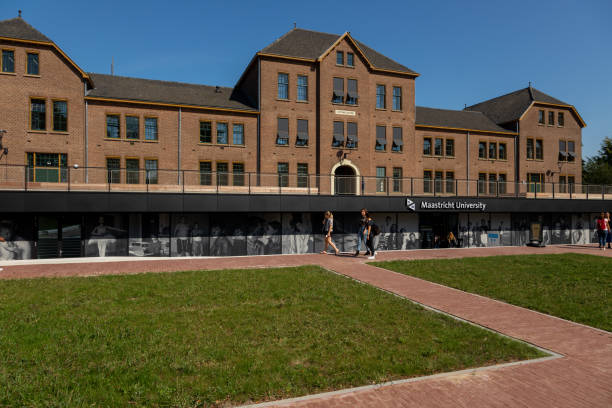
(581, 378)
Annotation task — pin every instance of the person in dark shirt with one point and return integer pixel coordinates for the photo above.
(361, 234)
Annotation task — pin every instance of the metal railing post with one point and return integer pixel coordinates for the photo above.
(553, 189)
(26, 175)
(183, 182)
(587, 191)
(602, 192)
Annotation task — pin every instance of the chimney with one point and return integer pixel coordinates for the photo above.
(217, 89)
(19, 11)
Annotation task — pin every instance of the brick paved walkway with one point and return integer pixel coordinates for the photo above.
(581, 378)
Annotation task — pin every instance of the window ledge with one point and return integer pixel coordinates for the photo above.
(380, 151)
(300, 101)
(150, 141)
(115, 139)
(399, 111)
(381, 109)
(282, 145)
(38, 131)
(8, 73)
(31, 76)
(131, 140)
(283, 100)
(302, 147)
(59, 132)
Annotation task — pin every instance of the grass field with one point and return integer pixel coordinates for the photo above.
(572, 286)
(219, 338)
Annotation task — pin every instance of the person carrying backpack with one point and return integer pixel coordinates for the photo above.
(373, 231)
(602, 231)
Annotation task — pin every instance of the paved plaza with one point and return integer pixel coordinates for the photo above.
(578, 375)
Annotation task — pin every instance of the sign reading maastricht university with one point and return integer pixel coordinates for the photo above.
(447, 205)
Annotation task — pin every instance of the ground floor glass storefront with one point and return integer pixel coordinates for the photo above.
(25, 236)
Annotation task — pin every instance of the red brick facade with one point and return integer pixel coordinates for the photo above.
(178, 144)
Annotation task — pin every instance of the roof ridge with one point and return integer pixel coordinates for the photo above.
(160, 80)
(451, 110)
(318, 32)
(497, 97)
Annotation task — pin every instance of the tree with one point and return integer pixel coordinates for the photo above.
(598, 169)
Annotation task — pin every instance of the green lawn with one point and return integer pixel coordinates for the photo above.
(220, 337)
(572, 286)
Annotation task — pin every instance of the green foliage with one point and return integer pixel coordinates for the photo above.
(220, 338)
(571, 286)
(598, 169)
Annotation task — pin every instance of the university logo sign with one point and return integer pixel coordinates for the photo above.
(410, 204)
(446, 205)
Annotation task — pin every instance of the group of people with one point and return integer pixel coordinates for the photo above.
(604, 231)
(368, 234)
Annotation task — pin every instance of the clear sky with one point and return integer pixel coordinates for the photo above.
(466, 51)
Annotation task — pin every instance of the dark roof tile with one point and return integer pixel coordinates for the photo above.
(455, 119)
(147, 90)
(309, 44)
(510, 107)
(19, 29)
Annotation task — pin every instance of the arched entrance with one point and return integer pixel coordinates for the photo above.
(345, 180)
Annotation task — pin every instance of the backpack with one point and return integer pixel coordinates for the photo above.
(375, 229)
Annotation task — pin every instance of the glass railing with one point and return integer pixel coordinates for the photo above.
(24, 178)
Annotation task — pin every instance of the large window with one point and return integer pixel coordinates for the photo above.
(503, 151)
(380, 97)
(151, 171)
(541, 117)
(302, 88)
(338, 140)
(222, 173)
(238, 134)
(205, 173)
(205, 132)
(132, 171)
(113, 130)
(482, 183)
(492, 150)
(60, 116)
(571, 153)
(282, 132)
(427, 146)
(450, 182)
(32, 64)
(302, 133)
(222, 133)
(38, 114)
(551, 118)
(283, 174)
(438, 143)
(113, 169)
(238, 173)
(427, 181)
(339, 58)
(482, 150)
(397, 179)
(492, 183)
(438, 181)
(47, 167)
(351, 135)
(352, 96)
(536, 182)
(283, 86)
(539, 149)
(530, 149)
(381, 179)
(562, 150)
(397, 98)
(450, 147)
(381, 138)
(501, 183)
(398, 140)
(132, 127)
(560, 119)
(151, 129)
(302, 174)
(8, 61)
(338, 96)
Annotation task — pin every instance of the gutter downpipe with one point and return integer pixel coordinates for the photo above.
(179, 148)
(467, 168)
(517, 158)
(258, 121)
(86, 164)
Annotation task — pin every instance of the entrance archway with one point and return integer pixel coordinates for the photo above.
(345, 180)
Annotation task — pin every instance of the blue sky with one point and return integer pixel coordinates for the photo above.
(466, 51)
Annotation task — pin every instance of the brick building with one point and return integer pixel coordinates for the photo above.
(311, 112)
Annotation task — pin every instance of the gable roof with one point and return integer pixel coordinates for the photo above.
(312, 45)
(120, 88)
(456, 119)
(510, 107)
(17, 28)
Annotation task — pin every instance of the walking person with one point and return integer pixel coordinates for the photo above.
(328, 227)
(361, 234)
(373, 231)
(602, 231)
(609, 234)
